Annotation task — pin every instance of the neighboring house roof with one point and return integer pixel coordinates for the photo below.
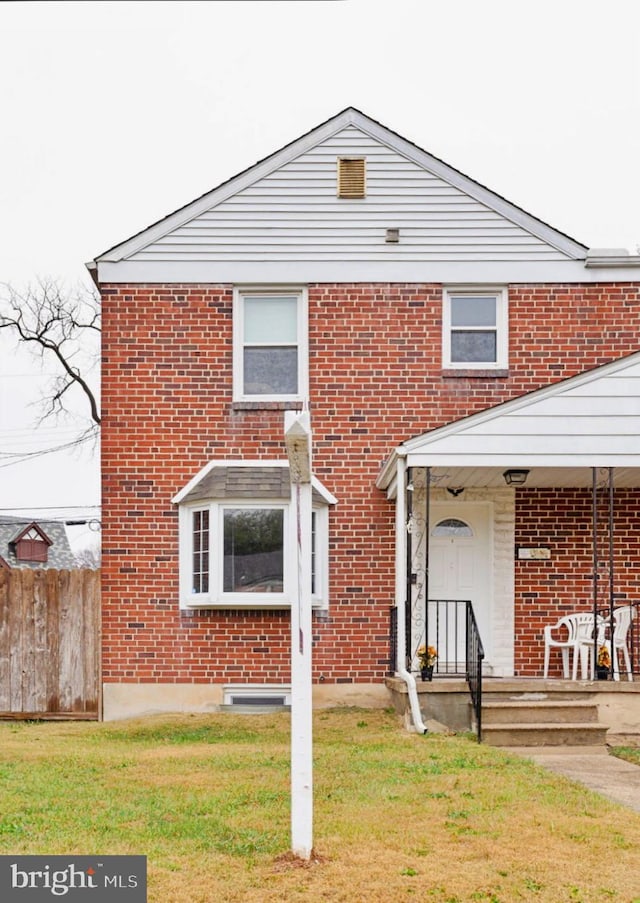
(54, 533)
(585, 421)
(281, 218)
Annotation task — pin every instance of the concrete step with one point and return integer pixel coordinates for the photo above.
(544, 733)
(541, 722)
(529, 711)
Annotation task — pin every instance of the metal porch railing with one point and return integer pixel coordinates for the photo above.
(475, 657)
(631, 640)
(393, 640)
(452, 628)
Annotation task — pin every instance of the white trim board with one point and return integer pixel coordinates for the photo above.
(249, 272)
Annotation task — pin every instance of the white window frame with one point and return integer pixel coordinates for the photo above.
(320, 594)
(229, 691)
(215, 597)
(501, 326)
(239, 295)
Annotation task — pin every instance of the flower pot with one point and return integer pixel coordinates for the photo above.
(427, 673)
(602, 673)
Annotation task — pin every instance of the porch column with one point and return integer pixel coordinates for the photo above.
(401, 565)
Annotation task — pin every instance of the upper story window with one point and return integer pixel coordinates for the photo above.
(475, 324)
(270, 345)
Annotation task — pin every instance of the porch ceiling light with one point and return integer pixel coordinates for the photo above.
(515, 477)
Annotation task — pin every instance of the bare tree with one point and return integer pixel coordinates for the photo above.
(62, 326)
(89, 557)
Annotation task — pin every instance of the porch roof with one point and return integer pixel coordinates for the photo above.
(558, 433)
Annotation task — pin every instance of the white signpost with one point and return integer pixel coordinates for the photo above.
(297, 433)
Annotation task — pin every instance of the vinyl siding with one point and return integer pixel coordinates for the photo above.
(592, 422)
(293, 214)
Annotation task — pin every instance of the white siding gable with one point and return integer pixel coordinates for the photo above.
(293, 214)
(281, 221)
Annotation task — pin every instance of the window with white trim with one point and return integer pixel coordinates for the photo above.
(475, 327)
(320, 556)
(452, 526)
(200, 551)
(252, 549)
(237, 555)
(270, 345)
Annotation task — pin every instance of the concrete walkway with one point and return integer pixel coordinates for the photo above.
(589, 765)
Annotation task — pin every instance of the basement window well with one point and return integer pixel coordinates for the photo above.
(256, 698)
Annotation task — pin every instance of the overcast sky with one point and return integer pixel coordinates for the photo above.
(115, 114)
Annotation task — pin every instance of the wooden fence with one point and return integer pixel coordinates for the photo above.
(49, 643)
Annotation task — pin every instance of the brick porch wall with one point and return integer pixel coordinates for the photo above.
(375, 380)
(547, 590)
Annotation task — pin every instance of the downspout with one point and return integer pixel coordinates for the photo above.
(401, 589)
(595, 562)
(612, 584)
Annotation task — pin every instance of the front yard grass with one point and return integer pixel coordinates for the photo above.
(435, 819)
(628, 753)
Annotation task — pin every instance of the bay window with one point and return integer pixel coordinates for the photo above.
(238, 539)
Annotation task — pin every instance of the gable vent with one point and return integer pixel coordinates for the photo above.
(351, 177)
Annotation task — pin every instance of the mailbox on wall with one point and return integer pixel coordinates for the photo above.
(533, 553)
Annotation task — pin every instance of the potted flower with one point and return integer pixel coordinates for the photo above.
(603, 663)
(427, 656)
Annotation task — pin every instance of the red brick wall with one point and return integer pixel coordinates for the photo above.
(548, 590)
(375, 380)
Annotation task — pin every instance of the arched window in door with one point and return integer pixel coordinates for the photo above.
(451, 526)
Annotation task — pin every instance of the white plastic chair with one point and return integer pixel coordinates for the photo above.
(563, 644)
(585, 642)
(622, 618)
(579, 639)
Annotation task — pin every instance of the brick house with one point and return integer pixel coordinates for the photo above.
(447, 345)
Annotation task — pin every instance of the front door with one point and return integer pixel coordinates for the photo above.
(460, 556)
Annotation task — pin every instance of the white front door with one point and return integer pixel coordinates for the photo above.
(460, 568)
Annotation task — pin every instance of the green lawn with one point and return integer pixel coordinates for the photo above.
(629, 753)
(397, 816)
